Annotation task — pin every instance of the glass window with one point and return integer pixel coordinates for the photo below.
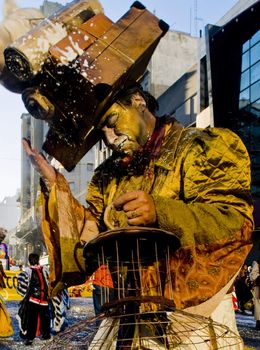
(244, 80)
(248, 124)
(255, 91)
(255, 38)
(244, 95)
(255, 53)
(245, 46)
(255, 72)
(245, 61)
(256, 108)
(243, 103)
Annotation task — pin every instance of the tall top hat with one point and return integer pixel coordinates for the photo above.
(74, 63)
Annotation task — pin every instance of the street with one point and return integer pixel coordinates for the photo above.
(79, 310)
(246, 327)
(82, 308)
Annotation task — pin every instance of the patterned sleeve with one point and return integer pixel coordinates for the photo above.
(23, 283)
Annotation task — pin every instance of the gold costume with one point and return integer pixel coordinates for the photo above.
(6, 329)
(200, 183)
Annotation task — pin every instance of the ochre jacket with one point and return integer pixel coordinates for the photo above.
(200, 183)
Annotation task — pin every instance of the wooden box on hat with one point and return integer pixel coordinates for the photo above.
(83, 72)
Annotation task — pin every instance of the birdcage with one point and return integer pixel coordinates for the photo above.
(139, 316)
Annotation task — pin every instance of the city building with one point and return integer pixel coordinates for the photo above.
(9, 212)
(222, 88)
(9, 218)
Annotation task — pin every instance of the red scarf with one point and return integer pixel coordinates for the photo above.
(137, 164)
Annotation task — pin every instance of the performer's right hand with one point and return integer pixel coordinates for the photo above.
(40, 164)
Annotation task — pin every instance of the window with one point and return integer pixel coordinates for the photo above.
(255, 38)
(90, 167)
(244, 83)
(255, 72)
(255, 91)
(254, 54)
(249, 105)
(245, 61)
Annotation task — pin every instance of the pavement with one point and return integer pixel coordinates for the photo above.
(82, 308)
(247, 330)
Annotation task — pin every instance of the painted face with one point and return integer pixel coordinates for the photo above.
(124, 128)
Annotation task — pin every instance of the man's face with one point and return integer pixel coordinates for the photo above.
(125, 129)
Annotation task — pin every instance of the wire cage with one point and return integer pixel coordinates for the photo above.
(138, 261)
(138, 316)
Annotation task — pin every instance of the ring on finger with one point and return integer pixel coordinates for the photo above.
(134, 215)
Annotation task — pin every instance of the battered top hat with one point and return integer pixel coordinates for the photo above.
(83, 73)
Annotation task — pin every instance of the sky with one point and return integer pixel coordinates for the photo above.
(182, 15)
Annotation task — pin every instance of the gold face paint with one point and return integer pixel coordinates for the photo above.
(125, 129)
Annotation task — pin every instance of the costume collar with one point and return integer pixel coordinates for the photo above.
(173, 133)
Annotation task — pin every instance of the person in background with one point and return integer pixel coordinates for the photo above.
(34, 314)
(3, 249)
(255, 278)
(242, 288)
(2, 276)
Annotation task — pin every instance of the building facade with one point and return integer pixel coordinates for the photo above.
(222, 88)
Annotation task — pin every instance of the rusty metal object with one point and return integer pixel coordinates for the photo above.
(25, 57)
(37, 104)
(138, 254)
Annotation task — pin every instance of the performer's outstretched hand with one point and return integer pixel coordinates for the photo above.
(40, 164)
